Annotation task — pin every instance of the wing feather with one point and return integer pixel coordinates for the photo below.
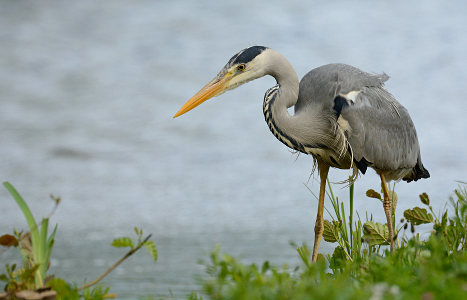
(381, 131)
(373, 124)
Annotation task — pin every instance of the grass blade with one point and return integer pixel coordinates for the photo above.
(24, 208)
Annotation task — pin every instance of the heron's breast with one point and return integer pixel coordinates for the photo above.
(331, 158)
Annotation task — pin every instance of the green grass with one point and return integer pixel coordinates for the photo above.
(359, 268)
(38, 253)
(35, 248)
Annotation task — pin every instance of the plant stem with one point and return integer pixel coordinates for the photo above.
(128, 254)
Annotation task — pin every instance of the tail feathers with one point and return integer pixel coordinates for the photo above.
(418, 172)
(362, 164)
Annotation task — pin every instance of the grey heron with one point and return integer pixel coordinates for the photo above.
(343, 117)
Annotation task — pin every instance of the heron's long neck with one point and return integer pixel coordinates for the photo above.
(279, 98)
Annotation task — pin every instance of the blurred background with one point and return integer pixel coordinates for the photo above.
(87, 94)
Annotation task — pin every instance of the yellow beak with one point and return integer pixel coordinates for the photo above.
(213, 88)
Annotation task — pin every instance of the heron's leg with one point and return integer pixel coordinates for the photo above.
(319, 224)
(387, 204)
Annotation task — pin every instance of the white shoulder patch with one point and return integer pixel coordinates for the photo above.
(352, 95)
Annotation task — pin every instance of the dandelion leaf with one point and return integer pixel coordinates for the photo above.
(330, 232)
(338, 258)
(151, 247)
(418, 216)
(123, 242)
(373, 194)
(375, 233)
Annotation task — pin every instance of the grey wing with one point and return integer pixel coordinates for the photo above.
(378, 129)
(320, 86)
(381, 133)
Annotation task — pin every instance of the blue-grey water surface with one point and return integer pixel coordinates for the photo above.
(87, 94)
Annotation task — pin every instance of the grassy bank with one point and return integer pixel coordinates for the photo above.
(360, 267)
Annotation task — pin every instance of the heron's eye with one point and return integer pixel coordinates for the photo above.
(241, 67)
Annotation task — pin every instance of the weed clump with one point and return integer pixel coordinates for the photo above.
(361, 266)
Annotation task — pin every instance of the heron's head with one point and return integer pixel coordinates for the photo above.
(244, 66)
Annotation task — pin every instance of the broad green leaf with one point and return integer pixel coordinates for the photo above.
(425, 199)
(375, 233)
(151, 247)
(65, 290)
(330, 232)
(373, 194)
(320, 257)
(123, 242)
(338, 258)
(418, 216)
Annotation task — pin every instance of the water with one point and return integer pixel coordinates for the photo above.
(87, 94)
